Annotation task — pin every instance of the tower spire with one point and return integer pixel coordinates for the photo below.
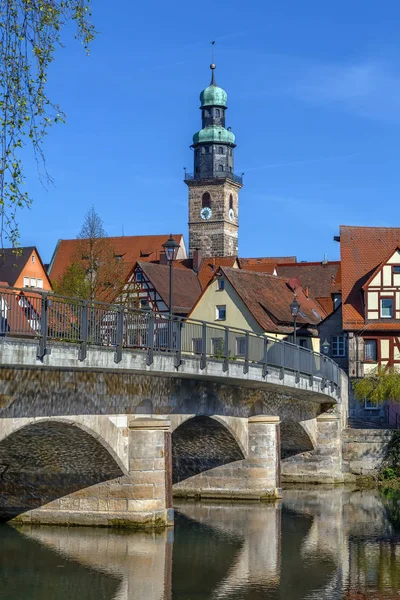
(212, 66)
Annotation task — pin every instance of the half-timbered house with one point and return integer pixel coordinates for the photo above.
(370, 260)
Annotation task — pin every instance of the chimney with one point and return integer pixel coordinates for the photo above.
(197, 258)
(163, 258)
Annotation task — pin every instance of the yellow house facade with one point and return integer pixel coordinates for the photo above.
(259, 303)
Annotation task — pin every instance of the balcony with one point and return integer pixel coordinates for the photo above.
(218, 175)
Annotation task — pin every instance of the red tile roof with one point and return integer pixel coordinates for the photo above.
(362, 250)
(186, 288)
(131, 248)
(268, 299)
(318, 277)
(247, 263)
(209, 266)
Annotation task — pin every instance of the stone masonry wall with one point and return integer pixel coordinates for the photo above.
(365, 450)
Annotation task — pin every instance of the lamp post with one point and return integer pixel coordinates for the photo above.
(171, 250)
(325, 347)
(294, 309)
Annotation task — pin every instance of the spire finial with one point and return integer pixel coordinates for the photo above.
(212, 66)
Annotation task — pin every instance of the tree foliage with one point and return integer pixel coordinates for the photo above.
(73, 282)
(30, 31)
(96, 272)
(378, 385)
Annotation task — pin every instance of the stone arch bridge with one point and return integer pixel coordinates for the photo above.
(101, 436)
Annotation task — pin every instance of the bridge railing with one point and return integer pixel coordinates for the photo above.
(48, 317)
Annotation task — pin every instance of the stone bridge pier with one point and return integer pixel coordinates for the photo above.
(112, 449)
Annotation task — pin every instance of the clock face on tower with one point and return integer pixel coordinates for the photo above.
(231, 214)
(206, 213)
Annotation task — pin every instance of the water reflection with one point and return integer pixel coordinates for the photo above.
(327, 544)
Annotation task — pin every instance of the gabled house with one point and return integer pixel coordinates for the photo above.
(148, 287)
(23, 268)
(127, 249)
(20, 310)
(370, 258)
(259, 302)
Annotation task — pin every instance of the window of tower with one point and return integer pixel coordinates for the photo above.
(206, 200)
(220, 150)
(230, 151)
(217, 112)
(206, 113)
(220, 167)
(206, 149)
(230, 202)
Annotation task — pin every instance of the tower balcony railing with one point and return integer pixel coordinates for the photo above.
(217, 175)
(50, 318)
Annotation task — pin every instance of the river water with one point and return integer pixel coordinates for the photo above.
(316, 544)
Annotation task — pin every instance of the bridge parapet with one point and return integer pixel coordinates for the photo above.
(185, 346)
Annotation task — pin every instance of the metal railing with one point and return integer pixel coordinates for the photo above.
(48, 317)
(217, 174)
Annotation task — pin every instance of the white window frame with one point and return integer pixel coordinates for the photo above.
(214, 349)
(40, 283)
(241, 340)
(221, 285)
(339, 339)
(380, 308)
(197, 345)
(368, 405)
(27, 281)
(218, 309)
(376, 350)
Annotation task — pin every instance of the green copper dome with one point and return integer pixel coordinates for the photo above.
(215, 133)
(213, 95)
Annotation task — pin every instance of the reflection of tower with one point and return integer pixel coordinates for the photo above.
(213, 186)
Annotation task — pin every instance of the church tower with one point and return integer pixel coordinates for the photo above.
(213, 186)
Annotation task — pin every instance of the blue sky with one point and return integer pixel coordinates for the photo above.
(314, 101)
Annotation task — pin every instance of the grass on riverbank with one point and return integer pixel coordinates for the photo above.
(378, 482)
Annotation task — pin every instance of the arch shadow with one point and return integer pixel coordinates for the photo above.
(46, 460)
(294, 439)
(199, 444)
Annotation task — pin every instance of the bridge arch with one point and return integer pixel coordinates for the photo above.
(47, 459)
(201, 443)
(101, 428)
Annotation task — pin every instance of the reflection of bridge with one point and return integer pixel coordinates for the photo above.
(96, 434)
(305, 548)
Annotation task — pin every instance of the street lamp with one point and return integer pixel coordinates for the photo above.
(171, 248)
(294, 309)
(325, 347)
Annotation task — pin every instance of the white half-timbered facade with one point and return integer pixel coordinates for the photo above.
(382, 314)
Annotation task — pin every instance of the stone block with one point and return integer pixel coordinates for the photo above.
(69, 503)
(145, 452)
(158, 490)
(117, 504)
(159, 464)
(103, 505)
(142, 464)
(145, 505)
(88, 504)
(148, 477)
(129, 491)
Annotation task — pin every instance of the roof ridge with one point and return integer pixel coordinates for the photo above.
(305, 263)
(262, 274)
